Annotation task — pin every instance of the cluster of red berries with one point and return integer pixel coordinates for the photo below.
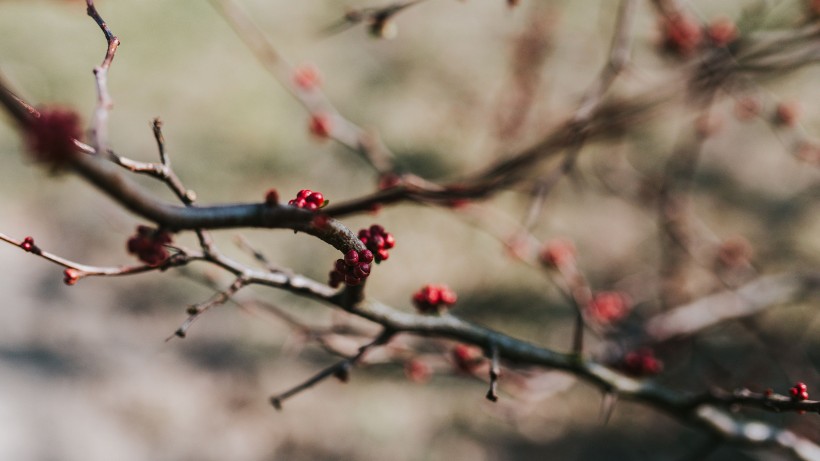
(50, 137)
(377, 240)
(28, 244)
(608, 306)
(642, 362)
(309, 200)
(149, 245)
(799, 392)
(351, 270)
(683, 35)
(434, 299)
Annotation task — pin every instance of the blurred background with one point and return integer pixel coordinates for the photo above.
(86, 374)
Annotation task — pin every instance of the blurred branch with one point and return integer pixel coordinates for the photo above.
(377, 18)
(314, 100)
(747, 300)
(595, 119)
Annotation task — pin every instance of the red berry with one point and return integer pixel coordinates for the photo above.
(607, 307)
(787, 113)
(70, 276)
(340, 266)
(682, 34)
(351, 258)
(366, 256)
(722, 32)
(641, 362)
(320, 126)
(306, 77)
(747, 108)
(389, 241)
(558, 253)
(467, 358)
(417, 371)
(272, 197)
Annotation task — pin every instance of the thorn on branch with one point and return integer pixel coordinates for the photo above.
(495, 371)
(608, 402)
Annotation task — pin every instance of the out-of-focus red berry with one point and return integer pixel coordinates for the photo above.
(434, 299)
(467, 358)
(50, 137)
(642, 362)
(608, 307)
(307, 77)
(558, 253)
(722, 32)
(787, 113)
(417, 371)
(320, 125)
(682, 35)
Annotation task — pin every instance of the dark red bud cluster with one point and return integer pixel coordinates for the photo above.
(433, 299)
(28, 244)
(351, 270)
(377, 240)
(308, 199)
(799, 391)
(50, 137)
(149, 245)
(642, 362)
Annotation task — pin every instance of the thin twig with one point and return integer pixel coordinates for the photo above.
(104, 102)
(339, 369)
(196, 311)
(314, 100)
(79, 271)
